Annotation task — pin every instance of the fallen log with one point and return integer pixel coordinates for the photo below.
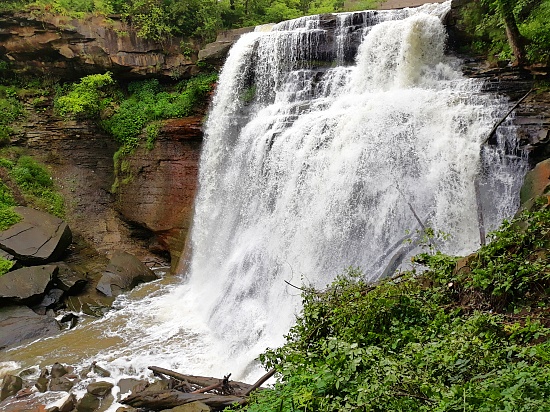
(490, 138)
(161, 400)
(222, 385)
(259, 382)
(238, 388)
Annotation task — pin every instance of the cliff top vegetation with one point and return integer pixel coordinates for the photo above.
(156, 19)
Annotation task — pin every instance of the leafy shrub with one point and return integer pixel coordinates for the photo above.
(481, 21)
(5, 265)
(474, 339)
(10, 111)
(148, 103)
(7, 216)
(87, 98)
(37, 185)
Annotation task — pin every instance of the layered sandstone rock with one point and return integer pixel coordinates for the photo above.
(41, 43)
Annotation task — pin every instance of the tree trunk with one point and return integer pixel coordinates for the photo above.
(515, 39)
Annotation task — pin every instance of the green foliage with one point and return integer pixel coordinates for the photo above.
(488, 34)
(10, 110)
(159, 19)
(37, 186)
(86, 98)
(152, 131)
(7, 216)
(5, 265)
(470, 336)
(148, 102)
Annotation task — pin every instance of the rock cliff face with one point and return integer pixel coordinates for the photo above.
(161, 184)
(39, 43)
(148, 215)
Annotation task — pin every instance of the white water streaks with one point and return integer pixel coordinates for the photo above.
(324, 132)
(309, 167)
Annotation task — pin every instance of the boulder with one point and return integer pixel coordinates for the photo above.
(50, 300)
(58, 370)
(123, 272)
(10, 386)
(536, 182)
(26, 285)
(127, 385)
(42, 384)
(68, 280)
(19, 323)
(100, 389)
(38, 238)
(62, 384)
(90, 304)
(88, 403)
(67, 404)
(190, 407)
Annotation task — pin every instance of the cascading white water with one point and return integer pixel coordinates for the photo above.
(322, 132)
(309, 168)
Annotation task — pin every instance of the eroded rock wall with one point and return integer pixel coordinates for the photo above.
(40, 43)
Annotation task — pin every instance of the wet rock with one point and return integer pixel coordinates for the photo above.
(68, 404)
(10, 386)
(123, 273)
(536, 182)
(25, 373)
(61, 384)
(58, 370)
(50, 300)
(68, 280)
(216, 52)
(126, 409)
(131, 385)
(98, 370)
(19, 324)
(69, 318)
(42, 384)
(190, 407)
(39, 238)
(88, 403)
(100, 389)
(92, 304)
(23, 393)
(26, 285)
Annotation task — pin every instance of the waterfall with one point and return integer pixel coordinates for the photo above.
(324, 133)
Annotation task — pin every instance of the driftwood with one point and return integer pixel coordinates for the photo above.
(160, 400)
(260, 382)
(480, 220)
(234, 387)
(193, 389)
(489, 138)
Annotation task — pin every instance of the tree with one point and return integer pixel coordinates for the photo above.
(515, 40)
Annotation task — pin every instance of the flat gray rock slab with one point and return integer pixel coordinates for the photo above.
(27, 284)
(38, 238)
(19, 324)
